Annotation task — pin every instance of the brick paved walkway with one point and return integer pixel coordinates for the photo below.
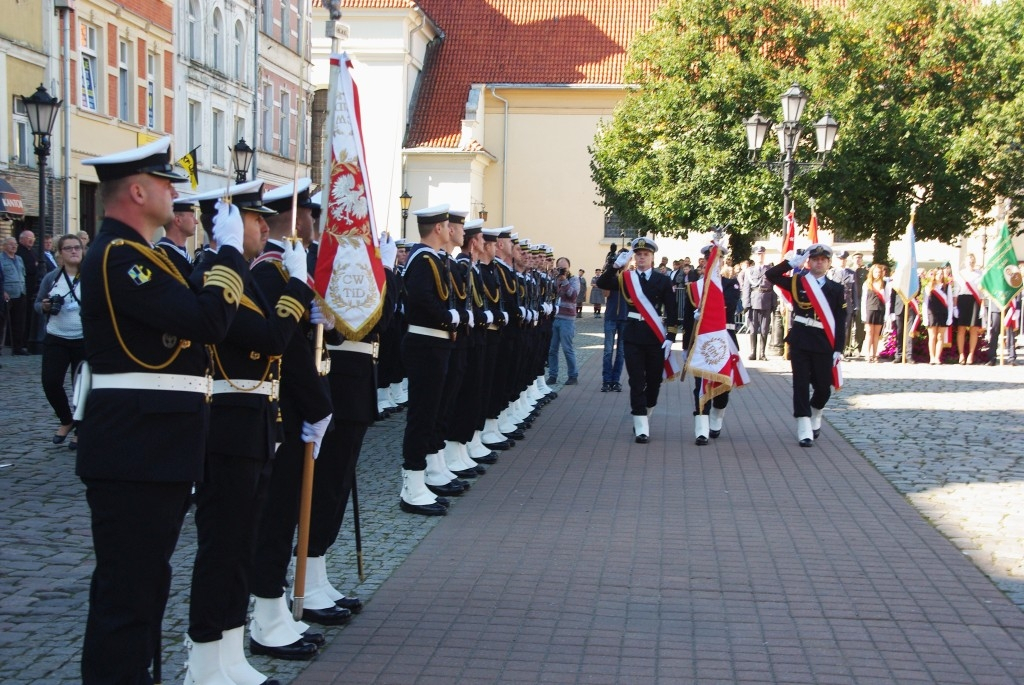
(584, 558)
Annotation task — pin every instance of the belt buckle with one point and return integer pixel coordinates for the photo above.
(376, 348)
(209, 388)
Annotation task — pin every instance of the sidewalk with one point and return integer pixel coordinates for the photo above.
(582, 557)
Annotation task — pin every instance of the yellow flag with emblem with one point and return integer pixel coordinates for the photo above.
(188, 163)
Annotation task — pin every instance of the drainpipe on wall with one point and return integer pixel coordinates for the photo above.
(504, 157)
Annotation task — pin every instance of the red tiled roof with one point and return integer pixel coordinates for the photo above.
(515, 41)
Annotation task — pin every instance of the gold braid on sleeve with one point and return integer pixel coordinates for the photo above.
(289, 306)
(222, 277)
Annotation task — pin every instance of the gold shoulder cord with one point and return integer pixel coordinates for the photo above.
(622, 289)
(164, 263)
(497, 292)
(511, 289)
(796, 298)
(451, 281)
(477, 300)
(441, 290)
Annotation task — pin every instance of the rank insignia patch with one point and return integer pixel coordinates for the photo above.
(139, 274)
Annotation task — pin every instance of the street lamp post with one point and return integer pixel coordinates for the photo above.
(405, 200)
(482, 213)
(242, 155)
(788, 132)
(42, 111)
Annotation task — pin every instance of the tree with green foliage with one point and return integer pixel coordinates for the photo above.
(901, 78)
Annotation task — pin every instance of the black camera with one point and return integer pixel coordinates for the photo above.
(562, 271)
(56, 302)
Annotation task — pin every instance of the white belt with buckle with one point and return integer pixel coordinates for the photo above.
(807, 321)
(355, 346)
(243, 385)
(492, 327)
(635, 315)
(151, 381)
(432, 332)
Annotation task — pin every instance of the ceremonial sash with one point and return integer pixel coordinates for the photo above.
(880, 294)
(1010, 319)
(917, 316)
(971, 287)
(824, 312)
(631, 281)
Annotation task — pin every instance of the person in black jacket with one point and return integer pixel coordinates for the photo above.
(816, 336)
(142, 439)
(646, 347)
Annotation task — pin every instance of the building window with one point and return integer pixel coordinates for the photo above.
(218, 139)
(239, 129)
(22, 147)
(239, 51)
(614, 228)
(90, 69)
(151, 91)
(218, 36)
(268, 118)
(124, 81)
(298, 29)
(285, 24)
(266, 17)
(195, 127)
(193, 36)
(286, 128)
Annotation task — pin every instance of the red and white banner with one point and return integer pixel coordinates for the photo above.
(714, 358)
(828, 322)
(788, 245)
(631, 281)
(349, 275)
(812, 228)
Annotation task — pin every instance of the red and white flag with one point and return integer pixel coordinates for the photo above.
(788, 245)
(812, 228)
(714, 358)
(349, 274)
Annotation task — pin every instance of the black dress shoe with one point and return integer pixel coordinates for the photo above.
(806, 442)
(752, 357)
(762, 358)
(515, 435)
(422, 509)
(480, 470)
(816, 432)
(642, 439)
(452, 489)
(312, 638)
(466, 473)
(444, 502)
(714, 434)
(491, 458)
(331, 616)
(353, 604)
(296, 651)
(702, 440)
(498, 445)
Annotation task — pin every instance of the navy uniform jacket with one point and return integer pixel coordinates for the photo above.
(808, 337)
(428, 295)
(658, 289)
(304, 394)
(490, 292)
(509, 287)
(243, 423)
(175, 255)
(144, 434)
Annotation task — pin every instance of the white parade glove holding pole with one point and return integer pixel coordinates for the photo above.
(318, 317)
(314, 433)
(456, 319)
(294, 259)
(667, 346)
(227, 226)
(388, 251)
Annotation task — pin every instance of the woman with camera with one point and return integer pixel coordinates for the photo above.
(60, 300)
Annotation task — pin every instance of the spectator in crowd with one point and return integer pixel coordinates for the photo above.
(563, 331)
(847, 277)
(15, 294)
(581, 297)
(938, 310)
(60, 301)
(968, 310)
(596, 294)
(873, 307)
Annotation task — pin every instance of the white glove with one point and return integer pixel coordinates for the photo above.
(797, 261)
(227, 226)
(522, 313)
(388, 251)
(667, 346)
(314, 433)
(623, 259)
(456, 319)
(836, 358)
(505, 314)
(317, 316)
(470, 321)
(294, 259)
(490, 316)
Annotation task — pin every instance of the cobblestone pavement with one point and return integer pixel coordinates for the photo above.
(949, 438)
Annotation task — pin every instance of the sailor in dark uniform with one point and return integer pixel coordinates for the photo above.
(492, 325)
(813, 352)
(305, 415)
(142, 438)
(177, 232)
(243, 433)
(426, 348)
(645, 353)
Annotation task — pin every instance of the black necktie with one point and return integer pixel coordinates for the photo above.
(645, 275)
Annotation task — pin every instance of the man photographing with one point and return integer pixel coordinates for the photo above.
(567, 289)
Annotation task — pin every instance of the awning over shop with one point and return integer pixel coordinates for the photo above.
(10, 200)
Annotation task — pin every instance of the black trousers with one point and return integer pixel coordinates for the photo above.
(59, 355)
(17, 312)
(458, 361)
(278, 519)
(644, 366)
(488, 379)
(333, 483)
(135, 528)
(467, 415)
(427, 367)
(811, 371)
(228, 503)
